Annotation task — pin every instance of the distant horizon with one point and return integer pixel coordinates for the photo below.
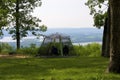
(77, 35)
(72, 27)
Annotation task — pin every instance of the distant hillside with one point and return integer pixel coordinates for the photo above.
(78, 35)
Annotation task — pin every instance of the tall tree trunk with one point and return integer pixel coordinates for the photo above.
(105, 42)
(106, 37)
(17, 25)
(115, 36)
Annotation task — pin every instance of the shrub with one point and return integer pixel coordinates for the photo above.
(92, 50)
(5, 48)
(27, 51)
(31, 50)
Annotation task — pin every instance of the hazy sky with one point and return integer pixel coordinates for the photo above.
(64, 13)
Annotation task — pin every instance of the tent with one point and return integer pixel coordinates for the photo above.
(56, 44)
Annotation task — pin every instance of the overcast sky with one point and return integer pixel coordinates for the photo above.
(64, 14)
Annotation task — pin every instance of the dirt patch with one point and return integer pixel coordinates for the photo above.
(13, 56)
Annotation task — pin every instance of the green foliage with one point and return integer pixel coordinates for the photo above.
(16, 16)
(26, 21)
(91, 50)
(43, 28)
(5, 48)
(4, 10)
(96, 10)
(32, 50)
(99, 19)
(78, 68)
(93, 4)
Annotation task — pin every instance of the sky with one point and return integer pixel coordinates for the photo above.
(64, 14)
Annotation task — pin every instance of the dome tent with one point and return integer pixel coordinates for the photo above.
(56, 44)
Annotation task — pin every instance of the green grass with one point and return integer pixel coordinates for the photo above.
(78, 68)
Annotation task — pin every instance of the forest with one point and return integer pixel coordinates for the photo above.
(57, 58)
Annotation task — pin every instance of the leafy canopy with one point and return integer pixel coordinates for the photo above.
(26, 20)
(98, 10)
(4, 10)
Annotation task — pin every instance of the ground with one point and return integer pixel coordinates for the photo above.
(77, 68)
(12, 56)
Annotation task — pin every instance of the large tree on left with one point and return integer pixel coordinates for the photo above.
(21, 20)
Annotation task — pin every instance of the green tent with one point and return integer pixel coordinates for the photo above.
(56, 44)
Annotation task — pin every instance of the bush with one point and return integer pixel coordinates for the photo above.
(28, 51)
(5, 48)
(92, 50)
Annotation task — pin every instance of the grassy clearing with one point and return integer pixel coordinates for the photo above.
(79, 68)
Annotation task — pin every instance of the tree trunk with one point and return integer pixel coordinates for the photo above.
(106, 37)
(115, 36)
(17, 25)
(105, 42)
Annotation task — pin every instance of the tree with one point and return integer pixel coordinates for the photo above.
(101, 18)
(115, 39)
(4, 10)
(21, 19)
(106, 36)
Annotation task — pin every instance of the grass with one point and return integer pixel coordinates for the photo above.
(77, 68)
